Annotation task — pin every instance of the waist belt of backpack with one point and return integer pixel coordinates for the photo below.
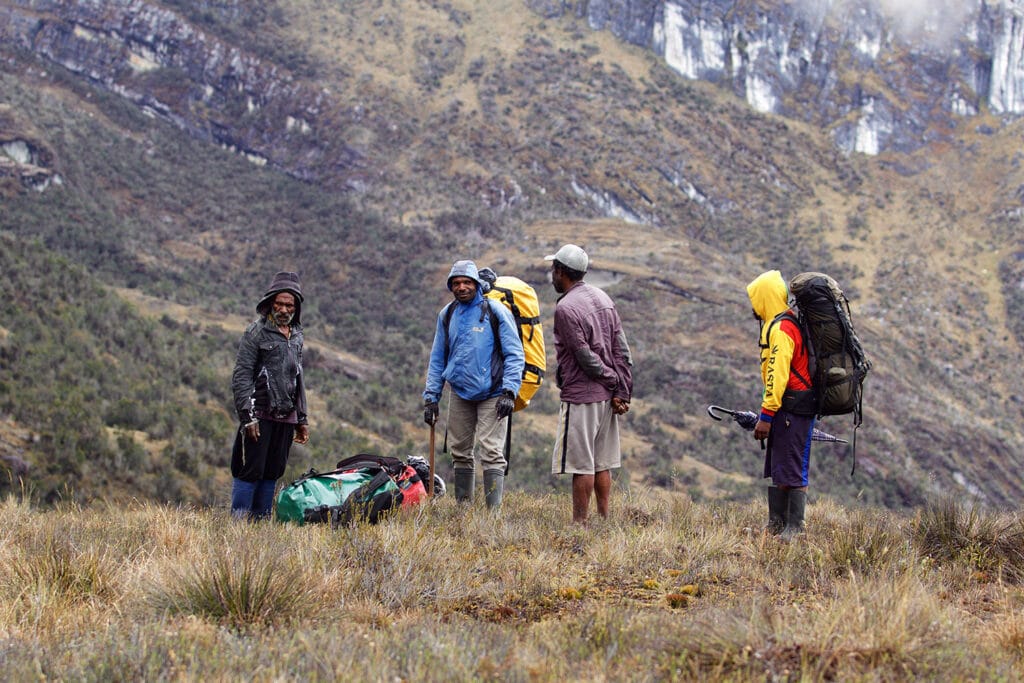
(530, 367)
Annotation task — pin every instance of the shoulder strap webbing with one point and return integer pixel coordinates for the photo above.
(786, 315)
(448, 311)
(517, 313)
(497, 342)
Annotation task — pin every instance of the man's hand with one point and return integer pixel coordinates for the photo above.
(620, 406)
(761, 430)
(301, 433)
(252, 430)
(505, 405)
(430, 412)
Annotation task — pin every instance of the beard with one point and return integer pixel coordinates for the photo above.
(281, 318)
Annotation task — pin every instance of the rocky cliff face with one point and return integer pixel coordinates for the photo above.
(878, 77)
(875, 80)
(217, 92)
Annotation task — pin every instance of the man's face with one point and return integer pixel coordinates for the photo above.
(464, 289)
(283, 308)
(558, 279)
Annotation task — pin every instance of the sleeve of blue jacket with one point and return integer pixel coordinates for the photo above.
(435, 381)
(512, 347)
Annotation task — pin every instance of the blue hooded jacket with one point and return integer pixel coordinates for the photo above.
(472, 363)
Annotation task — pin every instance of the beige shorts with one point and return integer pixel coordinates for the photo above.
(588, 439)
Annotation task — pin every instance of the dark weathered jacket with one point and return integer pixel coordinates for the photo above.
(267, 381)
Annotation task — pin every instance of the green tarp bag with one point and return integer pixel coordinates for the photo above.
(315, 490)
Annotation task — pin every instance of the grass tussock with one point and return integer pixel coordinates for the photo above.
(243, 587)
(663, 589)
(989, 543)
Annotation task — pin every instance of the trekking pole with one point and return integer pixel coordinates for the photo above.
(430, 480)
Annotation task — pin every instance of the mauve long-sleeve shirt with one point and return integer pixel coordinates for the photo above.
(594, 360)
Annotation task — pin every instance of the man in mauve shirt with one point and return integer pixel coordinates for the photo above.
(595, 378)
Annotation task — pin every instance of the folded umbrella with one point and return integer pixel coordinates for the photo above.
(748, 420)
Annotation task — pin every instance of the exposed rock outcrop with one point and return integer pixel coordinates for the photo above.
(876, 76)
(877, 80)
(216, 91)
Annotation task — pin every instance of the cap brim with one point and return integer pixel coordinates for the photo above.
(550, 257)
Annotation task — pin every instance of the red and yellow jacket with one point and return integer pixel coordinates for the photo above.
(784, 360)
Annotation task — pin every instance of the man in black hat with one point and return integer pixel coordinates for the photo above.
(270, 398)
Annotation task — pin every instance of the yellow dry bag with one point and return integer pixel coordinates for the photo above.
(521, 299)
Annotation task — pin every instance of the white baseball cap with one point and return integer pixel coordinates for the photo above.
(571, 256)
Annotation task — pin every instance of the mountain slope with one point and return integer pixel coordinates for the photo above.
(185, 151)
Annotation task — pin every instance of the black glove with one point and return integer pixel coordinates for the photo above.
(505, 405)
(430, 412)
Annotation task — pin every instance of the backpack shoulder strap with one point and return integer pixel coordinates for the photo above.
(448, 311)
(494, 325)
(777, 320)
(517, 313)
(785, 315)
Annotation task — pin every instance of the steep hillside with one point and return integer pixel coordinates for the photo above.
(180, 152)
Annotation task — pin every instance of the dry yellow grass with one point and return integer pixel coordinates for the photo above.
(663, 589)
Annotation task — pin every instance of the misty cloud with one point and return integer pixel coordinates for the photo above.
(936, 18)
(933, 22)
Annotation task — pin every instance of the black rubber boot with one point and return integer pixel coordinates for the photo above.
(465, 482)
(795, 517)
(494, 487)
(778, 510)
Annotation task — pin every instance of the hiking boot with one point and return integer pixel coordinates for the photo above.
(778, 504)
(494, 486)
(795, 515)
(465, 482)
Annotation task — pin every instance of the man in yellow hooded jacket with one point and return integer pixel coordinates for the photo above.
(787, 411)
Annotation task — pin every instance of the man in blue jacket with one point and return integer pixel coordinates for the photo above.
(477, 352)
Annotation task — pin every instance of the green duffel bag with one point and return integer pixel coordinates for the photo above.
(314, 492)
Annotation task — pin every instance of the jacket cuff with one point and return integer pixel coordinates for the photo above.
(766, 415)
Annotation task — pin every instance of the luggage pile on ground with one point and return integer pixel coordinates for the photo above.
(362, 488)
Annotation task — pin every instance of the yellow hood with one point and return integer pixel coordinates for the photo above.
(768, 294)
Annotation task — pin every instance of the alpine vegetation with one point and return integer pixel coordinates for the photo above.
(664, 588)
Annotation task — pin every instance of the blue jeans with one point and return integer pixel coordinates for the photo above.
(252, 499)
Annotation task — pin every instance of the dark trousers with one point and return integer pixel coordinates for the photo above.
(266, 457)
(788, 458)
(256, 466)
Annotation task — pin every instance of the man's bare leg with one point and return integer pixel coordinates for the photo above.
(582, 489)
(603, 491)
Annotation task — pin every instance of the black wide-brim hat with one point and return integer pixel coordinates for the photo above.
(284, 281)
